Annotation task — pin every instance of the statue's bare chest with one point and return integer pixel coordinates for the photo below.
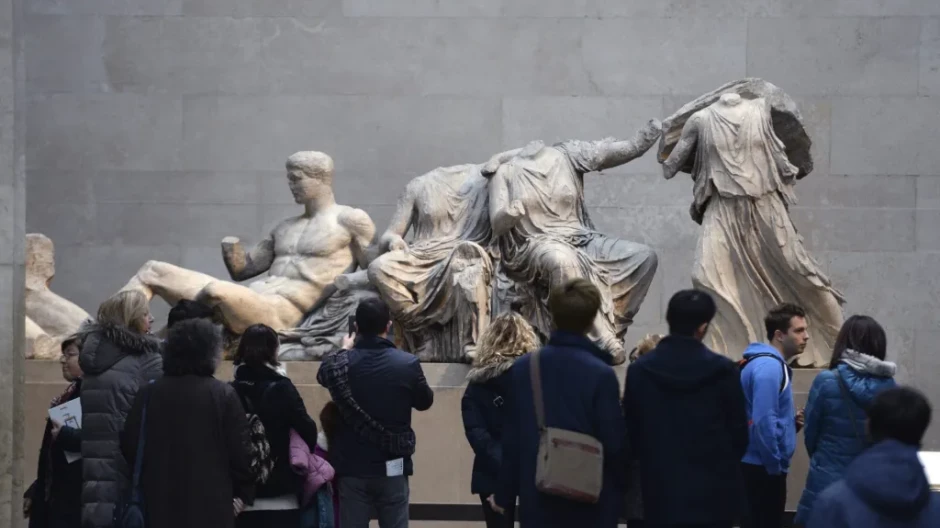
(313, 237)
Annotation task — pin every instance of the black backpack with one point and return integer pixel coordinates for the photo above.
(262, 461)
(786, 368)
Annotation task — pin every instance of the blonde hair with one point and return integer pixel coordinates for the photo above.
(506, 337)
(126, 308)
(647, 344)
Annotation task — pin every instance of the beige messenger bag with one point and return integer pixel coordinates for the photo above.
(570, 464)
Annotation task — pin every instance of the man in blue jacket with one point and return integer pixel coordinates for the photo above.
(581, 394)
(885, 487)
(772, 423)
(376, 386)
(685, 419)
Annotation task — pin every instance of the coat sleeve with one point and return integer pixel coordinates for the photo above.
(130, 435)
(765, 429)
(484, 446)
(296, 414)
(508, 484)
(610, 426)
(238, 445)
(70, 439)
(736, 407)
(422, 395)
(814, 412)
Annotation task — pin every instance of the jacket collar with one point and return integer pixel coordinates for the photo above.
(568, 339)
(373, 343)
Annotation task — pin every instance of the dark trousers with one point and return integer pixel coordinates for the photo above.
(494, 519)
(387, 495)
(766, 496)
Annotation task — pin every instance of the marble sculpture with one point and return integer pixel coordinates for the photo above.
(49, 317)
(745, 147)
(546, 236)
(302, 257)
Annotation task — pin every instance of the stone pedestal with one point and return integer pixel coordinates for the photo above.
(443, 459)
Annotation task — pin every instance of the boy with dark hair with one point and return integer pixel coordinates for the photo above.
(765, 378)
(685, 417)
(580, 393)
(885, 487)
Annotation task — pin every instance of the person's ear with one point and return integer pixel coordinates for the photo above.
(701, 331)
(388, 327)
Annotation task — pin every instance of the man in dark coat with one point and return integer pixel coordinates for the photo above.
(685, 415)
(197, 456)
(375, 386)
(885, 487)
(580, 393)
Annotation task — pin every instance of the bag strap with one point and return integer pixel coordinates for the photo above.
(139, 457)
(535, 371)
(848, 405)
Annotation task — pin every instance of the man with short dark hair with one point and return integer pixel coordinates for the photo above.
(685, 418)
(375, 386)
(885, 486)
(580, 393)
(765, 379)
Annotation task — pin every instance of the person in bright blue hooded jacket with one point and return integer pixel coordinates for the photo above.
(772, 425)
(835, 411)
(885, 486)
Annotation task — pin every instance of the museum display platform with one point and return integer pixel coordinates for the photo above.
(443, 460)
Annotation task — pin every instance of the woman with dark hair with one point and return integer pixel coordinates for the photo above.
(265, 390)
(196, 456)
(54, 499)
(835, 412)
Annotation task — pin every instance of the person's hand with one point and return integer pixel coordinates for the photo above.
(27, 507)
(238, 505)
(348, 341)
(496, 507)
(800, 419)
(56, 428)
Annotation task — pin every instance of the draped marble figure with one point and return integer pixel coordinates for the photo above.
(437, 285)
(749, 255)
(546, 236)
(302, 256)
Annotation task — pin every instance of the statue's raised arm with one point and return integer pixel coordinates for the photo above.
(243, 265)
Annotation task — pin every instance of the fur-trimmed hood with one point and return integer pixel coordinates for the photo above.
(490, 371)
(103, 345)
(866, 364)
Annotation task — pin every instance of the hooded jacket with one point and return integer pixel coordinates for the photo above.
(884, 487)
(116, 362)
(685, 417)
(314, 469)
(483, 409)
(771, 416)
(832, 439)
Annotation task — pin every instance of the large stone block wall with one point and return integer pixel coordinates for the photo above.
(156, 127)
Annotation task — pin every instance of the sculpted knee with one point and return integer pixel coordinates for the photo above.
(211, 294)
(651, 259)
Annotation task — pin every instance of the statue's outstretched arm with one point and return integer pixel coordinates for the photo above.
(244, 265)
(683, 149)
(615, 153)
(394, 237)
(489, 168)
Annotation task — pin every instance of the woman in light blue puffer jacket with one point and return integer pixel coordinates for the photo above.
(835, 413)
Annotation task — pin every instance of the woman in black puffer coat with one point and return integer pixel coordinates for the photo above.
(118, 357)
(483, 406)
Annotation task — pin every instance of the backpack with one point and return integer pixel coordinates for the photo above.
(786, 368)
(262, 461)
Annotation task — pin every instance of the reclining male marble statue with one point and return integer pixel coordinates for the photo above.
(745, 146)
(546, 236)
(302, 256)
(50, 318)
